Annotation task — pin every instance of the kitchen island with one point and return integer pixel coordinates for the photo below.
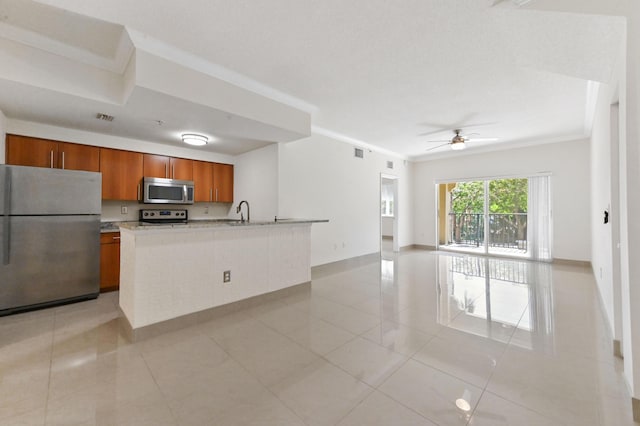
(173, 275)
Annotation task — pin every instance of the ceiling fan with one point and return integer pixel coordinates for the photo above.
(458, 142)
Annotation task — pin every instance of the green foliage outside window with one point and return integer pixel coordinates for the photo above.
(505, 196)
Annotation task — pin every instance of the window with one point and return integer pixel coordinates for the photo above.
(497, 216)
(386, 207)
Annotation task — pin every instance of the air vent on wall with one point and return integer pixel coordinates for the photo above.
(104, 117)
(359, 153)
(389, 164)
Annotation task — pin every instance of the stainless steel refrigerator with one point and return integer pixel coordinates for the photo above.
(49, 237)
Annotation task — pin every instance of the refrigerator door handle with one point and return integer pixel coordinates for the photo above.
(6, 240)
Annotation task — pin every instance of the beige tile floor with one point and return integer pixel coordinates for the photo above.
(418, 338)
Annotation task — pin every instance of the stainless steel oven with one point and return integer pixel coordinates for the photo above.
(167, 191)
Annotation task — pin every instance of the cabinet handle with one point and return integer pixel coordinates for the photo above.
(116, 238)
(62, 160)
(139, 196)
(216, 194)
(166, 171)
(210, 194)
(173, 171)
(51, 159)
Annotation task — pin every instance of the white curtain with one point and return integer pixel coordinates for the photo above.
(539, 221)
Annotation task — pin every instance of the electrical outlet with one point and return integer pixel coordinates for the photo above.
(206, 210)
(124, 209)
(226, 276)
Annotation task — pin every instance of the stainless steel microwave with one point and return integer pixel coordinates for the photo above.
(167, 191)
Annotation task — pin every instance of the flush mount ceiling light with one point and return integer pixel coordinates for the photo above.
(194, 139)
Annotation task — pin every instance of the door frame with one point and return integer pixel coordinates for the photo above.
(396, 210)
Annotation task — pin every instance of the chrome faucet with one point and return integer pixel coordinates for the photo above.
(239, 210)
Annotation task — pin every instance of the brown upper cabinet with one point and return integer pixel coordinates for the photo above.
(223, 183)
(202, 181)
(213, 182)
(162, 166)
(122, 171)
(121, 174)
(35, 152)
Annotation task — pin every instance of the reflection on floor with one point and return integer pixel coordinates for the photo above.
(416, 338)
(493, 250)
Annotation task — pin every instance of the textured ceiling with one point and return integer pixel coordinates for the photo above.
(385, 72)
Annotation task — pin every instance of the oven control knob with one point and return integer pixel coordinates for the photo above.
(153, 214)
(146, 213)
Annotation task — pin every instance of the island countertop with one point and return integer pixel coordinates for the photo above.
(215, 223)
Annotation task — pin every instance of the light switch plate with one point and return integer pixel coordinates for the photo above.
(226, 276)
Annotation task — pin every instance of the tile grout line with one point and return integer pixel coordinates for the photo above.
(258, 379)
(53, 332)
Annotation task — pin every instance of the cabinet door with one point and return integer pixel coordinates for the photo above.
(121, 174)
(203, 181)
(156, 166)
(223, 183)
(72, 156)
(27, 151)
(180, 168)
(109, 261)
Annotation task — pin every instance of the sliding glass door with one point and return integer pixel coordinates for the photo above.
(508, 217)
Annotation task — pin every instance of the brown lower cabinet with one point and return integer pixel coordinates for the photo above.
(109, 261)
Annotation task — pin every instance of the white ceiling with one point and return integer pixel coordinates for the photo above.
(378, 71)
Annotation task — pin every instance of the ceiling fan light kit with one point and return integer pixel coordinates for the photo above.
(458, 146)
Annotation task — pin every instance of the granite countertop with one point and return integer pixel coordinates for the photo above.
(110, 227)
(213, 223)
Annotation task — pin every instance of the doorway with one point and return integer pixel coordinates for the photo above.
(389, 242)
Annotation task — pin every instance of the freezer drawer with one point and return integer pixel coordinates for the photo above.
(48, 258)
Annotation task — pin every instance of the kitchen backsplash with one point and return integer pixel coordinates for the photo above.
(112, 211)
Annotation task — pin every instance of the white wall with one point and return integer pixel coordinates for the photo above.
(630, 202)
(256, 180)
(601, 196)
(320, 178)
(387, 226)
(568, 162)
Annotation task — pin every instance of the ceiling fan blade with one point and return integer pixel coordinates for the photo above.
(439, 146)
(440, 141)
(481, 140)
(435, 132)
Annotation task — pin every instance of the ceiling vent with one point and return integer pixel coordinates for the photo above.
(359, 152)
(104, 117)
(389, 164)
